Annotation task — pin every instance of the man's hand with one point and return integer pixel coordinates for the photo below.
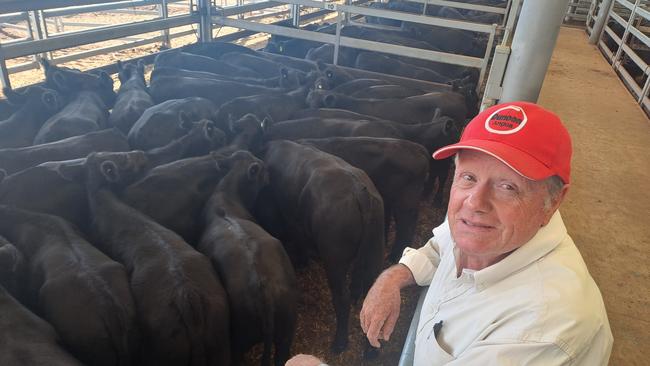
(303, 360)
(381, 307)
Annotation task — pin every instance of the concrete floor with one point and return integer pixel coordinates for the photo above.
(607, 210)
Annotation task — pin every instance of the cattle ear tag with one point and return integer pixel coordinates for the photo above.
(109, 170)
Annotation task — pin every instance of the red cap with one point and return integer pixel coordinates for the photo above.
(524, 136)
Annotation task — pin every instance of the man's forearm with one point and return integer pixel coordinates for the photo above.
(398, 275)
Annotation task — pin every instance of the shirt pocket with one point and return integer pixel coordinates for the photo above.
(429, 353)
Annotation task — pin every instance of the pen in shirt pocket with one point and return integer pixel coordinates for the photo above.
(436, 330)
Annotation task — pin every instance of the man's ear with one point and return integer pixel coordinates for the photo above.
(555, 203)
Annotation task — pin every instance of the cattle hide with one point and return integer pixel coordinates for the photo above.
(81, 292)
(181, 305)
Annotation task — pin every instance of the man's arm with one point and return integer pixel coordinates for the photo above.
(381, 306)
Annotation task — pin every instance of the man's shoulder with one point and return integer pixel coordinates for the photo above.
(560, 303)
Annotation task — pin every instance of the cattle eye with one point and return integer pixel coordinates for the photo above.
(329, 74)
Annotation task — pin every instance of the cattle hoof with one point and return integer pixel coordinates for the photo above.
(339, 346)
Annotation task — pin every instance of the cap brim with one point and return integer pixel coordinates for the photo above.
(519, 161)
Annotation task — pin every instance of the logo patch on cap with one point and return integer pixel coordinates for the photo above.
(506, 120)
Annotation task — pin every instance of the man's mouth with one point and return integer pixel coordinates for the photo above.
(476, 225)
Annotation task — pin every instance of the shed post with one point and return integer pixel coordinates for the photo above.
(599, 24)
(532, 48)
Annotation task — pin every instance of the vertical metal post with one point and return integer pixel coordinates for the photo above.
(486, 59)
(295, 15)
(339, 19)
(4, 73)
(601, 19)
(238, 3)
(512, 14)
(205, 25)
(532, 48)
(163, 12)
(37, 32)
(616, 60)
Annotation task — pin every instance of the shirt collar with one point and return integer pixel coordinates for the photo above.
(546, 239)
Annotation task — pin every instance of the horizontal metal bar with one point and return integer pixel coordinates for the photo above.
(23, 67)
(449, 23)
(613, 35)
(268, 15)
(626, 4)
(11, 18)
(96, 35)
(629, 81)
(13, 26)
(235, 10)
(603, 48)
(101, 7)
(629, 52)
(104, 50)
(619, 19)
(643, 12)
(435, 56)
(453, 4)
(642, 37)
(10, 6)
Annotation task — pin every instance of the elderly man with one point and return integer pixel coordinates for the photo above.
(507, 285)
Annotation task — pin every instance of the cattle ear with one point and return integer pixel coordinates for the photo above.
(105, 79)
(266, 123)
(436, 114)
(49, 99)
(14, 97)
(59, 81)
(109, 171)
(185, 121)
(321, 65)
(329, 100)
(141, 67)
(254, 170)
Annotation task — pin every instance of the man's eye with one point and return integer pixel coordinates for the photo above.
(508, 187)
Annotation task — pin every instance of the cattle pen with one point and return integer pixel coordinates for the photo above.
(586, 60)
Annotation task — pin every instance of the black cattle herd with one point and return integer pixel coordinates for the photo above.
(160, 225)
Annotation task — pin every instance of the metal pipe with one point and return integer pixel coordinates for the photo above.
(205, 25)
(295, 15)
(532, 48)
(601, 19)
(164, 13)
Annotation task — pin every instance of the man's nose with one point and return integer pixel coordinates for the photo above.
(478, 199)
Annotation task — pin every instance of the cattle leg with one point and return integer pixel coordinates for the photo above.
(285, 327)
(405, 224)
(336, 278)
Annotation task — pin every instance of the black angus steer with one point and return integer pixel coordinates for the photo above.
(80, 291)
(44, 188)
(387, 92)
(190, 61)
(334, 210)
(174, 194)
(416, 109)
(288, 78)
(218, 91)
(201, 138)
(35, 106)
(399, 170)
(433, 135)
(161, 124)
(372, 61)
(27, 339)
(133, 97)
(15, 159)
(326, 113)
(255, 269)
(181, 305)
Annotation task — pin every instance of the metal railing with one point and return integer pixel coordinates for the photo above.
(626, 45)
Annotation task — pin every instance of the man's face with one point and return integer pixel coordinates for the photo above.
(492, 209)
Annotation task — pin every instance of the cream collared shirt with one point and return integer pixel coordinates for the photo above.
(537, 306)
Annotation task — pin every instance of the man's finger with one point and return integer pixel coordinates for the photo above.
(373, 332)
(389, 325)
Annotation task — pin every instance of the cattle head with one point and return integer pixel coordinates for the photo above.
(247, 132)
(114, 170)
(12, 265)
(334, 74)
(292, 78)
(130, 71)
(36, 97)
(246, 173)
(68, 81)
(322, 83)
(202, 136)
(321, 99)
